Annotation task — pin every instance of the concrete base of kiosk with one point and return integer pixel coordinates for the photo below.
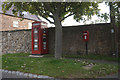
(36, 55)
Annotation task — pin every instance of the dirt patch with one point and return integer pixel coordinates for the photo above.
(88, 67)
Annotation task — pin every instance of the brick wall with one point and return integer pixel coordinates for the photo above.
(7, 23)
(100, 41)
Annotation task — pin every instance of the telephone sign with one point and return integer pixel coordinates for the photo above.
(86, 35)
(39, 38)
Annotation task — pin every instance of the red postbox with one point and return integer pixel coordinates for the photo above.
(85, 35)
(39, 37)
(86, 38)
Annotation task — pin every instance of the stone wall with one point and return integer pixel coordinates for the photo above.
(100, 41)
(16, 41)
(119, 41)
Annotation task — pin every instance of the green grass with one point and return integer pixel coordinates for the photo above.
(16, 55)
(63, 68)
(89, 56)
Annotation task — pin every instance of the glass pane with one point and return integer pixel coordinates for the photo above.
(36, 36)
(44, 31)
(44, 42)
(35, 31)
(44, 35)
(35, 46)
(36, 43)
(35, 40)
(44, 48)
(44, 39)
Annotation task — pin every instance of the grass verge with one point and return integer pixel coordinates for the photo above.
(63, 68)
(89, 56)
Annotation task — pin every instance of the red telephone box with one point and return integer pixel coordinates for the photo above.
(39, 37)
(86, 35)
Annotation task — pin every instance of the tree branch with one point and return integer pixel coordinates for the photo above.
(48, 20)
(37, 17)
(43, 15)
(47, 7)
(65, 7)
(50, 16)
(66, 17)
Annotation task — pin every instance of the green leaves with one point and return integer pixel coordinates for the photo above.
(115, 13)
(6, 6)
(87, 9)
(105, 16)
(48, 9)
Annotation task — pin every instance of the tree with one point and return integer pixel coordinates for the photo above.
(58, 11)
(115, 13)
(115, 22)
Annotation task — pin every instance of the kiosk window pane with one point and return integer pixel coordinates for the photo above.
(44, 40)
(35, 43)
(44, 45)
(44, 48)
(35, 31)
(35, 47)
(35, 38)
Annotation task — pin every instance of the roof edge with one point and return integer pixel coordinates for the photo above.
(18, 16)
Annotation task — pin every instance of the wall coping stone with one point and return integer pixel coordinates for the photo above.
(17, 30)
(86, 25)
(94, 25)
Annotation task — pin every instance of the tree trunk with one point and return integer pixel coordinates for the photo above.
(117, 29)
(115, 41)
(112, 21)
(112, 14)
(58, 37)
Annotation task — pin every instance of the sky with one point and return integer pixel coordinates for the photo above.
(70, 21)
